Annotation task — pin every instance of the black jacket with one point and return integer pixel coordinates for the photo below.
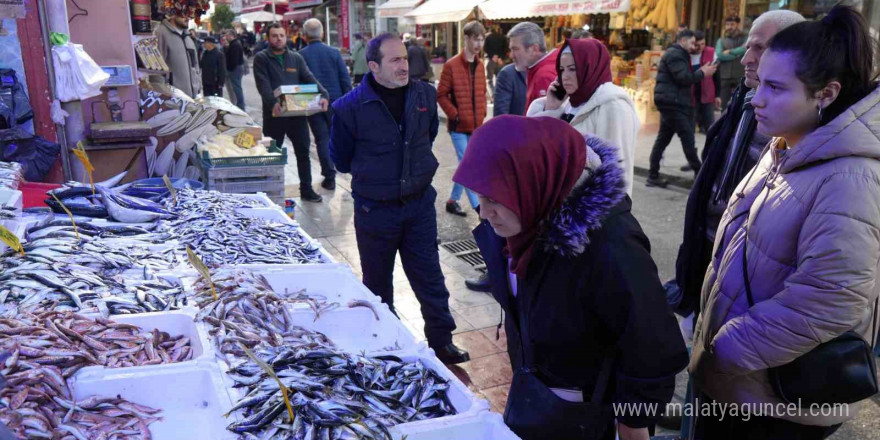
(496, 44)
(592, 288)
(419, 64)
(213, 66)
(387, 161)
(510, 92)
(234, 54)
(674, 80)
(269, 74)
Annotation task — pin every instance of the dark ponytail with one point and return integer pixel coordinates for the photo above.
(836, 48)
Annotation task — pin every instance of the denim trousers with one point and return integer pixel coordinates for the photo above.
(460, 141)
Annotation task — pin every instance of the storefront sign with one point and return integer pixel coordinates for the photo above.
(12, 9)
(344, 24)
(599, 6)
(303, 3)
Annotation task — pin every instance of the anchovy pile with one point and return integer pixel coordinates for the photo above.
(37, 403)
(10, 175)
(81, 275)
(248, 313)
(209, 224)
(334, 395)
(70, 341)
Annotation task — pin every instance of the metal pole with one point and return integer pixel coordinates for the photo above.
(274, 20)
(327, 25)
(53, 16)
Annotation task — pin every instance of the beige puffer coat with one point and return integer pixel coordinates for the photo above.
(813, 257)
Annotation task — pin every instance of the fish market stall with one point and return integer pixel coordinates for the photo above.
(108, 324)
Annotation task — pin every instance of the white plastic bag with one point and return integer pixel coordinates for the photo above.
(77, 76)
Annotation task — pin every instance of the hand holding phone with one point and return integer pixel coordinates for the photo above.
(555, 95)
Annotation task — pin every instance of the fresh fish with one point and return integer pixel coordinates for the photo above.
(127, 209)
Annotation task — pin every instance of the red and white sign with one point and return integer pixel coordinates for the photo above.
(344, 26)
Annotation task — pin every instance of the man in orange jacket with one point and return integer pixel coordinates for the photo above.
(462, 96)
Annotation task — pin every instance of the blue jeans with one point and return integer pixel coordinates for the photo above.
(460, 141)
(235, 77)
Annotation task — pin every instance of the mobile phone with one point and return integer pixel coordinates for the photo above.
(716, 62)
(559, 93)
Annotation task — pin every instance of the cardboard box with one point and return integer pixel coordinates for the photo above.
(299, 100)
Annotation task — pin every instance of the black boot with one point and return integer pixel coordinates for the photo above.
(450, 354)
(479, 284)
(309, 195)
(455, 209)
(329, 184)
(657, 181)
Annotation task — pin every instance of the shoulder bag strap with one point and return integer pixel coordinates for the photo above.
(604, 377)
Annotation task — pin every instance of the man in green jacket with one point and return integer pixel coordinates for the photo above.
(728, 50)
(359, 59)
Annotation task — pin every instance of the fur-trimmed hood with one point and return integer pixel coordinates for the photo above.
(567, 231)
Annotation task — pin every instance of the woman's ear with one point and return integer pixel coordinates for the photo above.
(828, 94)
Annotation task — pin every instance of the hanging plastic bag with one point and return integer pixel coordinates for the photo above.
(77, 76)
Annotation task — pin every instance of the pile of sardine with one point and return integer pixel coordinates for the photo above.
(334, 395)
(88, 276)
(70, 341)
(37, 403)
(209, 224)
(248, 313)
(10, 175)
(64, 228)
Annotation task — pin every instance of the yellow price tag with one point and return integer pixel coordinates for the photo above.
(11, 240)
(80, 153)
(201, 268)
(245, 140)
(170, 187)
(271, 374)
(75, 229)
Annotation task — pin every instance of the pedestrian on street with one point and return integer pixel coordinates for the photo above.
(796, 259)
(213, 67)
(594, 105)
(732, 149)
(462, 96)
(326, 64)
(728, 49)
(586, 318)
(528, 49)
(235, 61)
(496, 52)
(705, 91)
(510, 92)
(296, 42)
(419, 62)
(359, 59)
(673, 97)
(275, 67)
(383, 133)
(180, 53)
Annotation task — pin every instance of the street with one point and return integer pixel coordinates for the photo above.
(660, 212)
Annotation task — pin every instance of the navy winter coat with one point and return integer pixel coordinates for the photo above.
(510, 92)
(326, 64)
(387, 162)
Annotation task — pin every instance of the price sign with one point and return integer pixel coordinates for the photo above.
(75, 229)
(80, 153)
(11, 240)
(200, 266)
(245, 140)
(170, 188)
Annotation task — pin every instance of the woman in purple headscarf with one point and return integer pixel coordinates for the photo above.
(587, 321)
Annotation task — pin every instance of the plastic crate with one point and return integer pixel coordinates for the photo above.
(258, 171)
(265, 186)
(223, 162)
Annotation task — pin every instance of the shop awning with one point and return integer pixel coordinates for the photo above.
(259, 17)
(397, 8)
(501, 9)
(297, 14)
(443, 11)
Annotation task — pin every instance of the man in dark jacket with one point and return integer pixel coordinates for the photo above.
(674, 99)
(275, 67)
(235, 67)
(510, 92)
(496, 51)
(213, 66)
(419, 63)
(326, 64)
(382, 134)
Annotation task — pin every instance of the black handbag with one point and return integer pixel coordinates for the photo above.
(842, 370)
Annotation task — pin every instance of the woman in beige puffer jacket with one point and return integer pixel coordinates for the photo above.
(808, 220)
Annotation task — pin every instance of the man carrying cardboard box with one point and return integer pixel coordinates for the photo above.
(274, 67)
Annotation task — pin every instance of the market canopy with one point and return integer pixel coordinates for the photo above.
(443, 11)
(501, 9)
(259, 17)
(397, 8)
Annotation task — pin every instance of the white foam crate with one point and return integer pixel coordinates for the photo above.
(192, 398)
(11, 198)
(481, 426)
(260, 197)
(17, 228)
(356, 330)
(175, 323)
(335, 282)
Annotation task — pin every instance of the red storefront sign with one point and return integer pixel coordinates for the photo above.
(344, 24)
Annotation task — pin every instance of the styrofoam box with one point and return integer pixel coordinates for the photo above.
(277, 215)
(17, 228)
(11, 198)
(175, 323)
(356, 330)
(192, 397)
(481, 426)
(260, 197)
(336, 282)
